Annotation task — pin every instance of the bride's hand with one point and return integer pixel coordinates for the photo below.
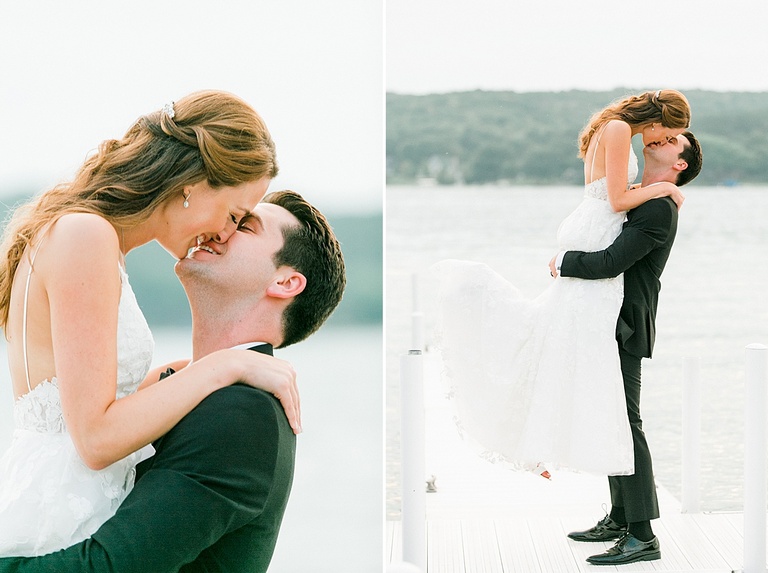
(678, 197)
(667, 189)
(272, 375)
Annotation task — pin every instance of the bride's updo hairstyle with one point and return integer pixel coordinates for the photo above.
(208, 135)
(668, 107)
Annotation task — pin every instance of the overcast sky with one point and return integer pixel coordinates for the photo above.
(76, 72)
(532, 45)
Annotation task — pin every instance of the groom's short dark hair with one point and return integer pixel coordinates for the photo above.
(312, 249)
(691, 154)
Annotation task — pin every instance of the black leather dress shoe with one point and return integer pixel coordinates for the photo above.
(628, 549)
(605, 530)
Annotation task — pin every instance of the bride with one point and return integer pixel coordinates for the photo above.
(538, 380)
(78, 344)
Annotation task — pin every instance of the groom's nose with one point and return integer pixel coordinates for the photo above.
(224, 235)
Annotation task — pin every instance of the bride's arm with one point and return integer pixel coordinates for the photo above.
(79, 272)
(618, 140)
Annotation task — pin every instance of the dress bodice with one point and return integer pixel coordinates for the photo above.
(598, 189)
(39, 410)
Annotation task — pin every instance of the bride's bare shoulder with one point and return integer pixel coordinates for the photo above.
(76, 241)
(85, 225)
(617, 128)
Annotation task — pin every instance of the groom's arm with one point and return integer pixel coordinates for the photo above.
(648, 227)
(211, 475)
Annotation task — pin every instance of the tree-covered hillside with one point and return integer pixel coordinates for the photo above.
(530, 138)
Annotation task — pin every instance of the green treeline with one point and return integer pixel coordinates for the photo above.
(530, 138)
(164, 303)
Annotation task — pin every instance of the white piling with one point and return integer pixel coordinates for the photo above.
(412, 455)
(755, 458)
(417, 316)
(691, 474)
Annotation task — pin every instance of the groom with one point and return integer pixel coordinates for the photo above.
(212, 497)
(640, 252)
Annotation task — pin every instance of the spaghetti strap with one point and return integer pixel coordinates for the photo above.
(24, 315)
(594, 153)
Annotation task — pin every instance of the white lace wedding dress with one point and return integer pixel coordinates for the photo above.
(538, 380)
(49, 499)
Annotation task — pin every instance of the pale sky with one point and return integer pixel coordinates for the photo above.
(552, 45)
(76, 72)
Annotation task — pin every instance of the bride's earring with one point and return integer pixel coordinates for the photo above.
(186, 201)
(653, 128)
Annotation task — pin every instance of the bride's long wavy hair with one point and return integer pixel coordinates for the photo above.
(670, 108)
(209, 135)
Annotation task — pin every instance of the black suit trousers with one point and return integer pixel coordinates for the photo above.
(635, 493)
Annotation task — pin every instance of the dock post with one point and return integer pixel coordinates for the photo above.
(417, 316)
(412, 455)
(691, 474)
(755, 458)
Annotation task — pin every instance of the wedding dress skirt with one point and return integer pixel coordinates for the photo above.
(49, 499)
(539, 380)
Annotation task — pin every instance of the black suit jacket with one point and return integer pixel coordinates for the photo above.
(211, 498)
(640, 252)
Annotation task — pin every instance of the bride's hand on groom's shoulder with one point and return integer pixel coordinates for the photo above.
(678, 197)
(275, 376)
(668, 189)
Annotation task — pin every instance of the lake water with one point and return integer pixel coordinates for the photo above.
(334, 520)
(713, 303)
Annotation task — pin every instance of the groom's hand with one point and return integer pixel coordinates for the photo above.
(553, 267)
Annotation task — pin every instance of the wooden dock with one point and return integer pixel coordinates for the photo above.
(486, 519)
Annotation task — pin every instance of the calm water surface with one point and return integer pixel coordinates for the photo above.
(713, 303)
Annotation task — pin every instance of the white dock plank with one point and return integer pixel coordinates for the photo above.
(695, 546)
(551, 548)
(721, 533)
(445, 548)
(516, 548)
(481, 546)
(672, 556)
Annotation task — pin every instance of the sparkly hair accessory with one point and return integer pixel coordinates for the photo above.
(656, 96)
(169, 111)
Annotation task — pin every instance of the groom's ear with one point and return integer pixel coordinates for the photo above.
(681, 165)
(287, 283)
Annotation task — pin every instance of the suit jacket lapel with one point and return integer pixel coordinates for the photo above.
(262, 348)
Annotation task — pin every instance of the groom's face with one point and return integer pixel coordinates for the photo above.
(242, 266)
(667, 154)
